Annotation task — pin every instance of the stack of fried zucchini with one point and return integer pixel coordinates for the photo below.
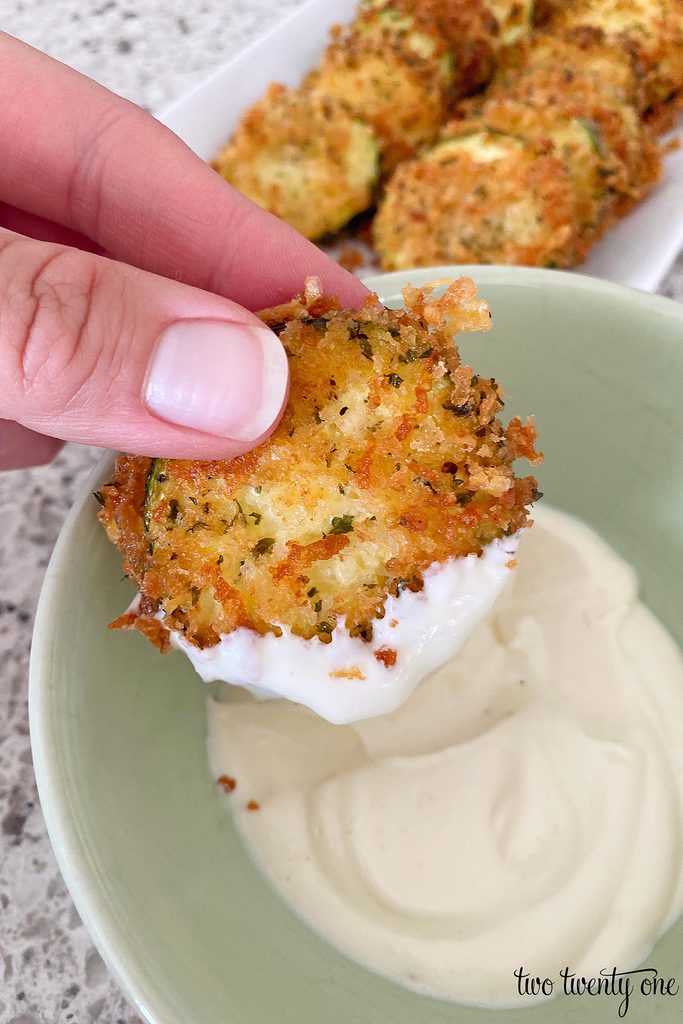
(315, 155)
(488, 131)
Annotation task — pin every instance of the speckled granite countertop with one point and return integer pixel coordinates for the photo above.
(150, 52)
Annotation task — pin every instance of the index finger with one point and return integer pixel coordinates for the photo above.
(95, 163)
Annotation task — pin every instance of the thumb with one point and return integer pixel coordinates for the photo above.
(102, 353)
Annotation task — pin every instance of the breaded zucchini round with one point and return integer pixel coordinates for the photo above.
(392, 67)
(303, 157)
(650, 29)
(573, 140)
(533, 171)
(580, 52)
(483, 197)
(390, 458)
(398, 64)
(414, 28)
(612, 156)
(480, 30)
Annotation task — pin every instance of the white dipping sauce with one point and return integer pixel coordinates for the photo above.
(523, 808)
(344, 680)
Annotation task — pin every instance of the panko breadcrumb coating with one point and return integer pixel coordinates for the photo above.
(651, 30)
(532, 172)
(390, 458)
(480, 198)
(578, 52)
(392, 68)
(480, 30)
(304, 158)
(399, 64)
(612, 156)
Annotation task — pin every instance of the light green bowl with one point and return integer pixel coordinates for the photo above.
(186, 923)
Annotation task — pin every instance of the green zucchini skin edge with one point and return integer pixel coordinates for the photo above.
(151, 490)
(593, 133)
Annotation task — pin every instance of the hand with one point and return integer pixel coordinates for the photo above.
(127, 271)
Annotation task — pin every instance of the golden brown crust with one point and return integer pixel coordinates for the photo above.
(555, 154)
(477, 31)
(402, 67)
(584, 50)
(471, 32)
(401, 95)
(390, 458)
(521, 209)
(303, 157)
(541, 101)
(399, 64)
(651, 31)
(152, 629)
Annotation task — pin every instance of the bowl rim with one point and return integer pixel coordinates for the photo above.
(498, 273)
(155, 1006)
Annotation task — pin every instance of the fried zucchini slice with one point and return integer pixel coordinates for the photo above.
(612, 157)
(483, 197)
(414, 28)
(651, 30)
(393, 68)
(399, 64)
(584, 51)
(303, 157)
(390, 458)
(480, 31)
(532, 172)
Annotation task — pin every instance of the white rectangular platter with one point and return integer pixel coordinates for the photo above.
(637, 252)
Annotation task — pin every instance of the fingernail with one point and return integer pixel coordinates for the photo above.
(226, 379)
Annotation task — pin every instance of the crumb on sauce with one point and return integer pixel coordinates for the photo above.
(387, 656)
(227, 783)
(253, 805)
(347, 673)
